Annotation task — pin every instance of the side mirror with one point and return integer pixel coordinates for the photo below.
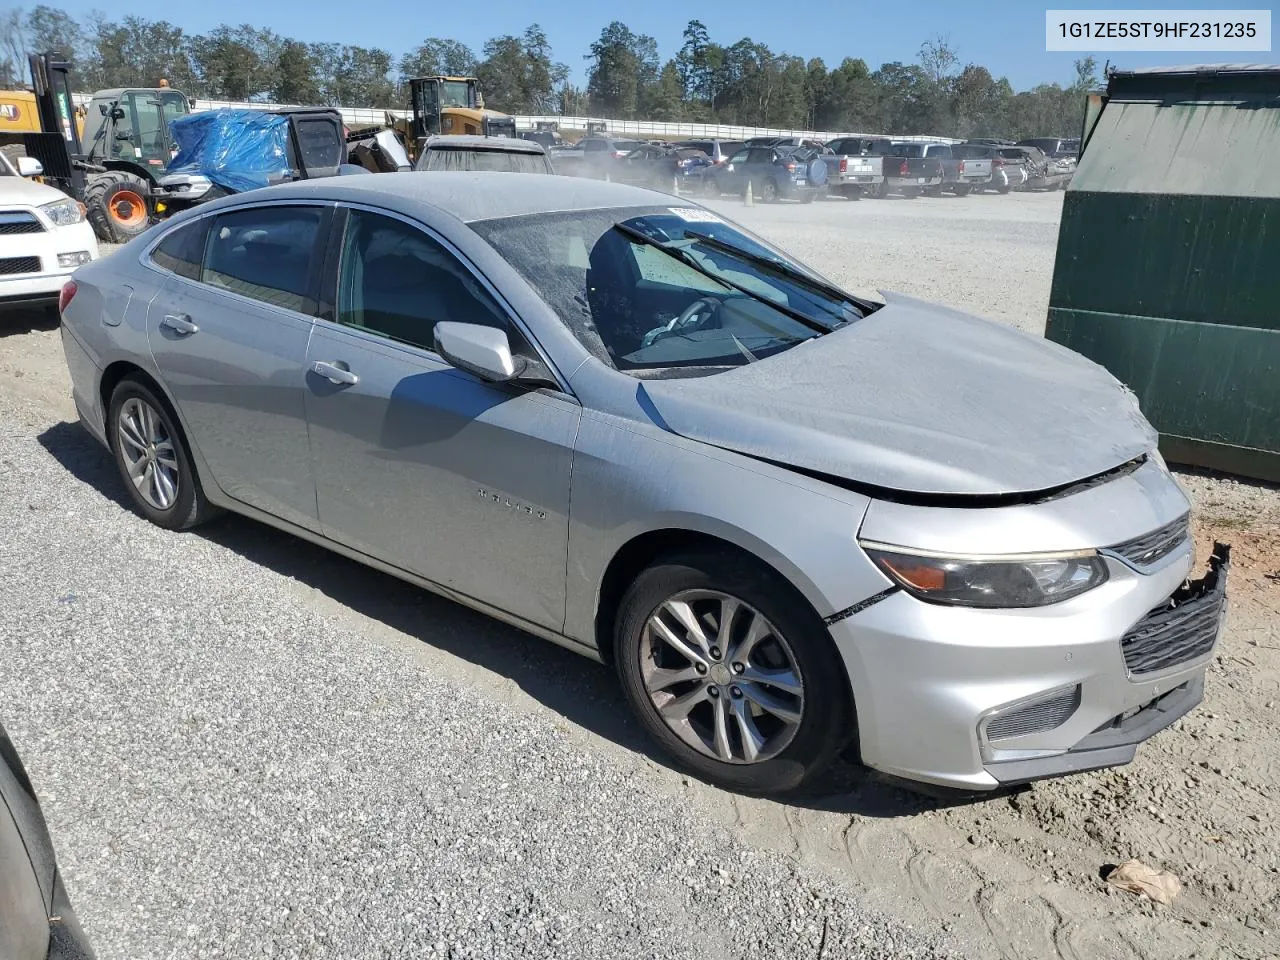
(117, 113)
(103, 109)
(483, 351)
(29, 167)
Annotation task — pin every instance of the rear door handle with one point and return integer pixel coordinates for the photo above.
(334, 373)
(180, 324)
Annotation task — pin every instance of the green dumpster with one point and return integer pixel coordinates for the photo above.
(1168, 266)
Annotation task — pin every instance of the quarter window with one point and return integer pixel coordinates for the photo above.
(182, 251)
(264, 253)
(397, 282)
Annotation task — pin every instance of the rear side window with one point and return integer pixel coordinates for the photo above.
(264, 253)
(320, 142)
(593, 146)
(398, 282)
(729, 147)
(182, 251)
(942, 151)
(760, 155)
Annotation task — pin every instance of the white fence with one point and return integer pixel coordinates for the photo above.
(369, 116)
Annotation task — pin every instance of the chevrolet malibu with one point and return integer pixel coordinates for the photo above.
(792, 519)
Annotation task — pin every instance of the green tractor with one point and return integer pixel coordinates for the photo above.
(127, 148)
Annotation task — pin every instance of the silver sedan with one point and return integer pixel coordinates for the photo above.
(794, 520)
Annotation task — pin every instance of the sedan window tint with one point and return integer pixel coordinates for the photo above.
(264, 253)
(396, 281)
(182, 251)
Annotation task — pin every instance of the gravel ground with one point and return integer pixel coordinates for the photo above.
(248, 746)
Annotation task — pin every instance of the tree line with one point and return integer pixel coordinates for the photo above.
(705, 81)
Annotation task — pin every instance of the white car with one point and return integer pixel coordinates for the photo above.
(43, 235)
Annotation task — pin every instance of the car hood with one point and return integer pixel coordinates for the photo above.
(918, 398)
(27, 192)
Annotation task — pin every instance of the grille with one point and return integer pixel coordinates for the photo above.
(1184, 627)
(1147, 549)
(1035, 717)
(10, 265)
(19, 222)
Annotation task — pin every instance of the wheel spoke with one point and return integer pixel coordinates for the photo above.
(677, 708)
(752, 740)
(756, 631)
(130, 432)
(723, 750)
(149, 422)
(689, 620)
(166, 454)
(729, 608)
(660, 678)
(669, 637)
(143, 480)
(165, 486)
(137, 469)
(770, 703)
(784, 680)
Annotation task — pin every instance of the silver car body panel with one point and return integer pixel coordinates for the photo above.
(515, 501)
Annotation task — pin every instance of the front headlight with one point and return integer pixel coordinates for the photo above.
(1022, 581)
(63, 213)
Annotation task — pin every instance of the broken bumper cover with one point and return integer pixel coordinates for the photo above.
(979, 699)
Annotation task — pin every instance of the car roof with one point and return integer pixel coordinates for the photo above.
(477, 142)
(471, 195)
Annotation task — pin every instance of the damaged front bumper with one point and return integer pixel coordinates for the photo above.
(980, 699)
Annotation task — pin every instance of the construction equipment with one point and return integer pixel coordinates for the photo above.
(452, 105)
(110, 161)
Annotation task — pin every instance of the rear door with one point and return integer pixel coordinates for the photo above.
(229, 334)
(462, 482)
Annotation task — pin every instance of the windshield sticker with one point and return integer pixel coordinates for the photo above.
(694, 215)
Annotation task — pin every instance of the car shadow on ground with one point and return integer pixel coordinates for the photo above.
(580, 690)
(24, 318)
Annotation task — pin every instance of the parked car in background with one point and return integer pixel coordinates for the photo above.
(960, 175)
(1055, 148)
(1043, 173)
(905, 170)
(853, 172)
(472, 152)
(592, 156)
(718, 150)
(1007, 173)
(774, 173)
(621, 422)
(36, 918)
(660, 167)
(784, 142)
(44, 235)
(547, 138)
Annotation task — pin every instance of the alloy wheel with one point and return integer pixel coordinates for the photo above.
(148, 452)
(722, 678)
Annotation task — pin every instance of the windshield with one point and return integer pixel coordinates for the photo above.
(455, 93)
(906, 150)
(693, 308)
(498, 161)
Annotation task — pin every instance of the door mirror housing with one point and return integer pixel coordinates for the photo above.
(477, 349)
(29, 167)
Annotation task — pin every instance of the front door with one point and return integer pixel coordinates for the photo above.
(462, 482)
(229, 336)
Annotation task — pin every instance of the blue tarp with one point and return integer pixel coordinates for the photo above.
(237, 149)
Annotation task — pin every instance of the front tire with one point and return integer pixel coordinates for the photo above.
(732, 673)
(151, 455)
(769, 191)
(116, 205)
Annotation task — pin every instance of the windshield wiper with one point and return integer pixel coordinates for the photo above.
(778, 267)
(689, 261)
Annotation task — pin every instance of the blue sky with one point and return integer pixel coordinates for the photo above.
(1011, 43)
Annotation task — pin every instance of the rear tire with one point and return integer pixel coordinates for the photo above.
(933, 191)
(151, 454)
(809, 196)
(961, 189)
(116, 205)
(795, 649)
(1004, 188)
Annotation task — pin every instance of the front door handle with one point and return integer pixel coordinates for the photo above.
(334, 373)
(180, 324)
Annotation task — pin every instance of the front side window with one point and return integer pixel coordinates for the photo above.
(740, 156)
(397, 282)
(760, 155)
(667, 291)
(264, 253)
(182, 251)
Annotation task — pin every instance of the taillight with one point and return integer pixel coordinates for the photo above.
(65, 294)
(791, 168)
(962, 166)
(904, 168)
(618, 154)
(997, 162)
(844, 164)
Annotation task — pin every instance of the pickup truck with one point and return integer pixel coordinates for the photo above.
(850, 171)
(906, 169)
(959, 175)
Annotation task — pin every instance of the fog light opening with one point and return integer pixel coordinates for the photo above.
(1039, 715)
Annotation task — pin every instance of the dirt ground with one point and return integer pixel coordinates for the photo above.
(1015, 876)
